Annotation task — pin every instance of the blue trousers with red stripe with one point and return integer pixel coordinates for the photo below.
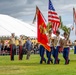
(74, 49)
(48, 54)
(66, 55)
(42, 51)
(55, 55)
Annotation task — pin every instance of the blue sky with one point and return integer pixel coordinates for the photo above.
(25, 10)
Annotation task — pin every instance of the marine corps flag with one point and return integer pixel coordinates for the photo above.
(41, 30)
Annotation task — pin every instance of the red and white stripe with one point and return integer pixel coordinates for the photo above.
(54, 19)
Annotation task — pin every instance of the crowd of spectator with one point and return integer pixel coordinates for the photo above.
(5, 49)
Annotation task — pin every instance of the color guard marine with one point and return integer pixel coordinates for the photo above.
(56, 45)
(48, 54)
(66, 47)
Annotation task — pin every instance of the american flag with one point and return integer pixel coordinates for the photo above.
(53, 17)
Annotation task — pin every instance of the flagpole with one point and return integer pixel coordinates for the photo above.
(75, 29)
(73, 16)
(74, 20)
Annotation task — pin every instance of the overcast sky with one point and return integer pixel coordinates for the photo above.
(25, 9)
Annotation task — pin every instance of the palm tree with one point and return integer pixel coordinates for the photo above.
(64, 27)
(49, 26)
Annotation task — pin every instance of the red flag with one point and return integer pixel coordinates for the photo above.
(53, 17)
(41, 27)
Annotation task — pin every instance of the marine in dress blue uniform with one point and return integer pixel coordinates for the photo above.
(66, 48)
(56, 48)
(48, 54)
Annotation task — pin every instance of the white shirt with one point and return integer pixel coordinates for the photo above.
(57, 38)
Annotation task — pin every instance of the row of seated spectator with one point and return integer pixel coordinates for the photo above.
(5, 49)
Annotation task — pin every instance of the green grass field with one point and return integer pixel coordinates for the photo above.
(32, 66)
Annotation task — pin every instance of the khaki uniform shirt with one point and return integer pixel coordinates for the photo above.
(57, 41)
(65, 43)
(21, 42)
(12, 40)
(50, 38)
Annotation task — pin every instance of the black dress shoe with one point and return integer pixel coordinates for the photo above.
(52, 61)
(45, 61)
(58, 61)
(48, 62)
(68, 61)
(40, 62)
